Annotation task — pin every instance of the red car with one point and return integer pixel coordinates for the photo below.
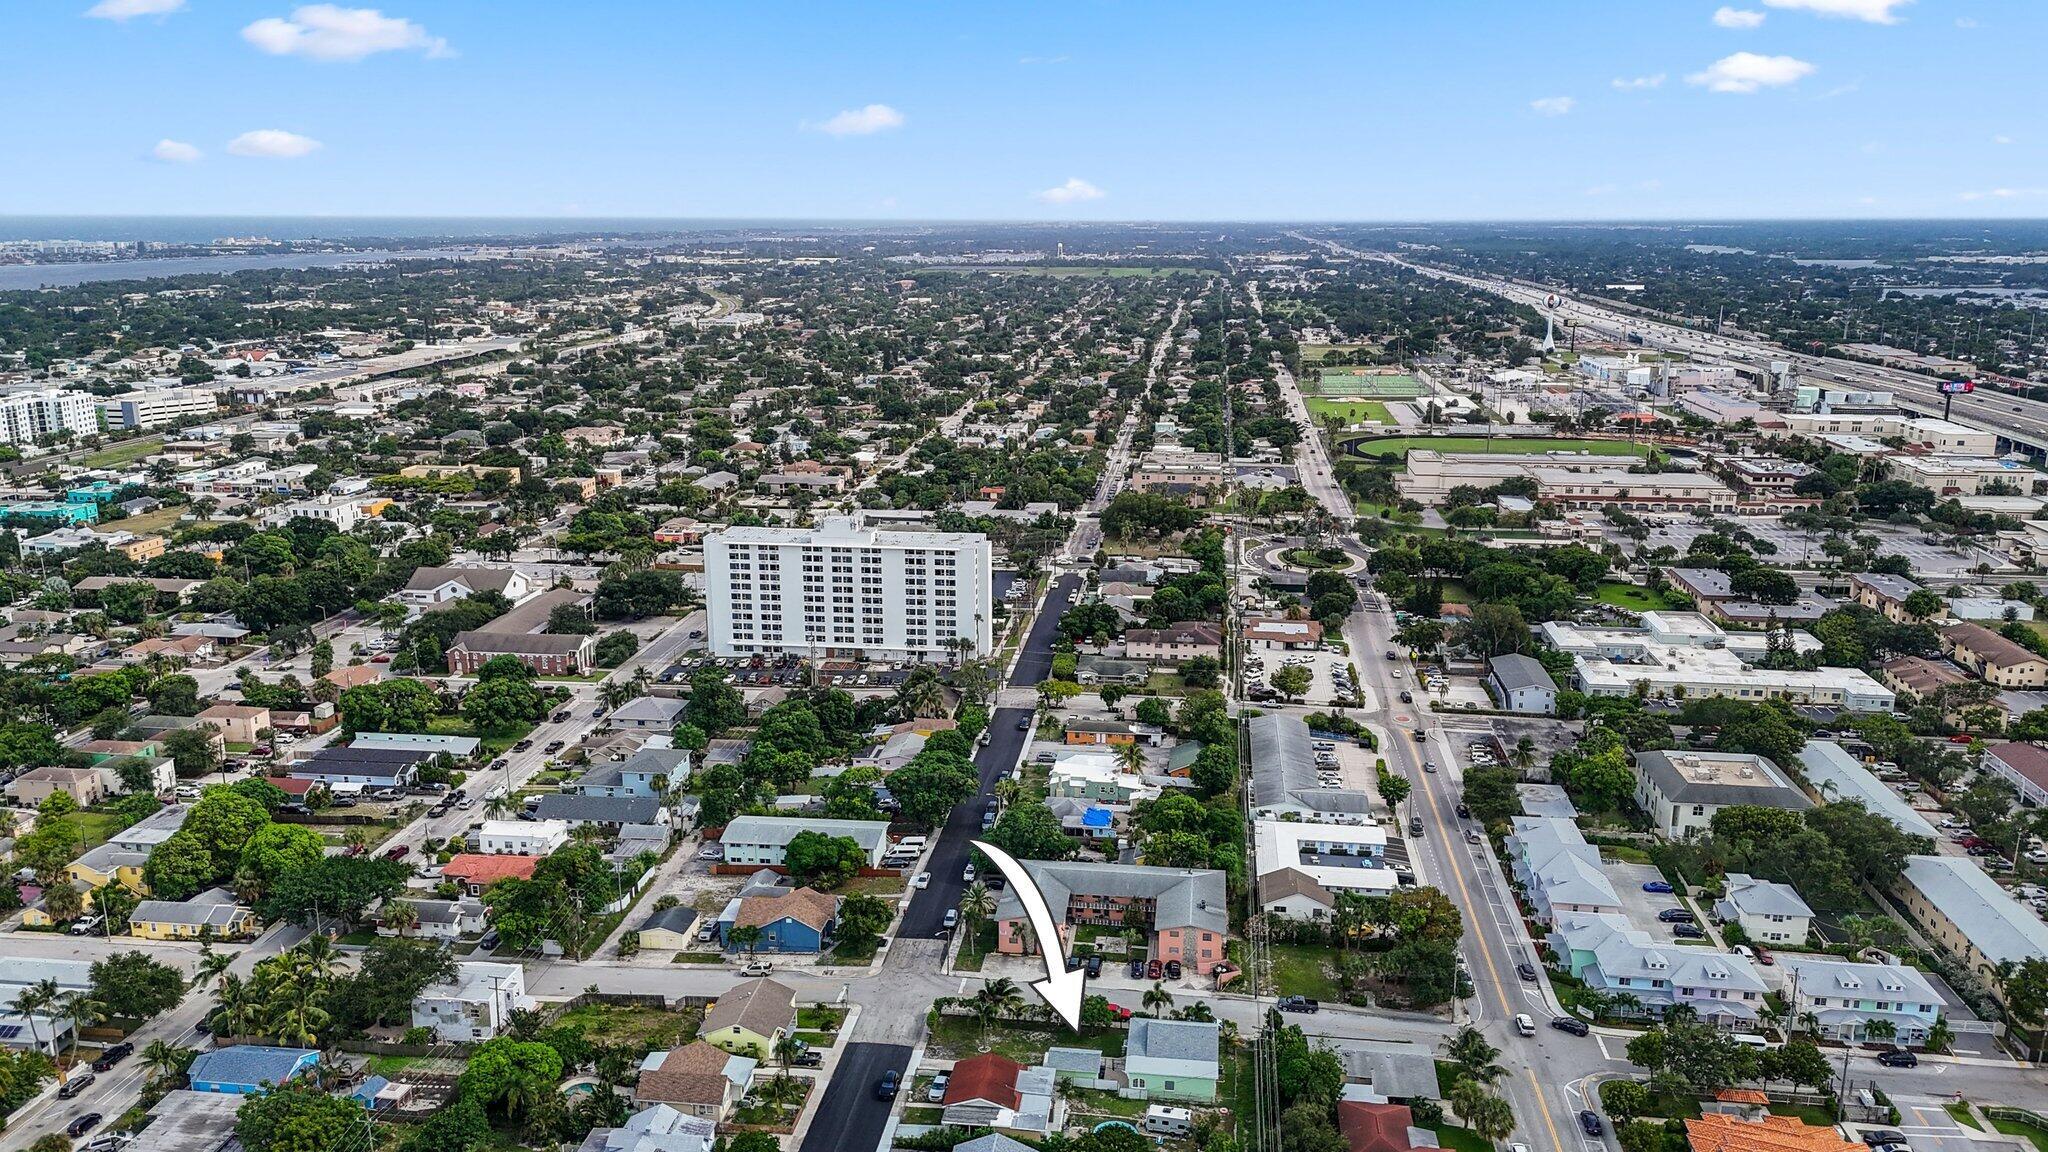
(1122, 1013)
(1959, 738)
(1763, 955)
(397, 852)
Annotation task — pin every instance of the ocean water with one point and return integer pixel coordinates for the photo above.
(204, 229)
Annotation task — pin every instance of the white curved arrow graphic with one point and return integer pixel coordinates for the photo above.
(1062, 990)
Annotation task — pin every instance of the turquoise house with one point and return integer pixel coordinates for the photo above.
(67, 512)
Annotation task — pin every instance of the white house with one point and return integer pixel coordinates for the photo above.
(473, 1006)
(646, 714)
(1682, 790)
(1845, 997)
(431, 586)
(761, 840)
(522, 837)
(1767, 911)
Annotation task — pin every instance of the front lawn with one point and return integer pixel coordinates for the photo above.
(2021, 1128)
(1458, 1139)
(88, 828)
(1633, 597)
(961, 1037)
(979, 944)
(644, 1028)
(820, 1019)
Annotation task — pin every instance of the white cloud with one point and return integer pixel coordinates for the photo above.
(1746, 72)
(331, 32)
(863, 121)
(1074, 191)
(2001, 140)
(130, 9)
(175, 152)
(1638, 83)
(1740, 19)
(1874, 11)
(1552, 105)
(275, 143)
(2002, 194)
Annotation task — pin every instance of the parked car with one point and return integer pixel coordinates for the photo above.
(1024, 725)
(937, 1091)
(112, 1056)
(86, 925)
(1589, 1122)
(1523, 1025)
(885, 1089)
(1464, 811)
(1094, 966)
(82, 1125)
(1154, 970)
(921, 880)
(397, 851)
(1527, 971)
(1677, 916)
(489, 941)
(1173, 969)
(1898, 1058)
(75, 1085)
(756, 968)
(1571, 1024)
(1688, 932)
(1415, 826)
(952, 920)
(1298, 1004)
(1764, 957)
(1137, 969)
(810, 1058)
(967, 873)
(1657, 886)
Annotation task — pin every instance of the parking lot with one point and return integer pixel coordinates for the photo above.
(1798, 547)
(1329, 669)
(1639, 906)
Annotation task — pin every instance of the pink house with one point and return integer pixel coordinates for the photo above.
(1186, 909)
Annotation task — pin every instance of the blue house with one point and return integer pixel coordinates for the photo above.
(790, 919)
(97, 492)
(245, 1068)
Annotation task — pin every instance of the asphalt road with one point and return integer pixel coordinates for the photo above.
(1035, 664)
(848, 1115)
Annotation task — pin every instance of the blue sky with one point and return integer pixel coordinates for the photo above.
(1369, 110)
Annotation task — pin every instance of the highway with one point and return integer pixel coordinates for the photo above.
(2023, 422)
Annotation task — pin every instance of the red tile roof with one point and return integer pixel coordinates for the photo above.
(1374, 1127)
(989, 1077)
(476, 869)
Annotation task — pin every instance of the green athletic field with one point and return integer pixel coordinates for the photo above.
(1360, 383)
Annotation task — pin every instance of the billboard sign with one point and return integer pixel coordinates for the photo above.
(1956, 387)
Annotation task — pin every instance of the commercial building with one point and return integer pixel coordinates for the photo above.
(1285, 781)
(1665, 672)
(154, 404)
(1948, 476)
(1564, 479)
(29, 416)
(1681, 791)
(1886, 593)
(847, 590)
(518, 633)
(1959, 907)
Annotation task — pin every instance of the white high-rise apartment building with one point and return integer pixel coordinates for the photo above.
(26, 416)
(152, 404)
(846, 590)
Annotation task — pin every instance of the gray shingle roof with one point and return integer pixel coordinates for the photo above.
(1284, 769)
(1180, 1040)
(580, 809)
(1515, 672)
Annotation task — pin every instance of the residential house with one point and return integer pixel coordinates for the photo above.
(243, 1069)
(522, 837)
(1886, 593)
(646, 714)
(699, 1079)
(1723, 1132)
(85, 786)
(994, 1091)
(1096, 776)
(1176, 643)
(1558, 871)
(476, 872)
(1768, 912)
(1682, 790)
(1173, 1059)
(238, 724)
(475, 1005)
(1286, 781)
(1292, 894)
(1835, 776)
(1959, 907)
(1993, 657)
(656, 1129)
(651, 772)
(1098, 732)
(1610, 955)
(45, 1029)
(121, 858)
(1845, 996)
(1521, 684)
(898, 749)
(431, 586)
(211, 915)
(788, 919)
(759, 841)
(436, 919)
(1377, 1126)
(750, 1017)
(369, 767)
(610, 813)
(1185, 910)
(668, 929)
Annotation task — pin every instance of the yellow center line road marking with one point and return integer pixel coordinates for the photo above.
(1543, 1109)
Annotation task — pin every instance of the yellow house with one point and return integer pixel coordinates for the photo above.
(213, 914)
(108, 864)
(750, 1018)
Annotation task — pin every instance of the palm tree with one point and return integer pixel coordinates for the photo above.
(1940, 1036)
(294, 1016)
(998, 997)
(319, 955)
(212, 966)
(1158, 999)
(1810, 1022)
(166, 1061)
(1878, 1028)
(33, 1001)
(403, 915)
(238, 1008)
(923, 697)
(978, 903)
(81, 1009)
(1525, 753)
(747, 936)
(787, 1049)
(1130, 757)
(1470, 1051)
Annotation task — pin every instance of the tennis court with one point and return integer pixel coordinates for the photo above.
(1369, 385)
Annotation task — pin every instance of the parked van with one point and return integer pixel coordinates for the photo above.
(910, 844)
(1749, 1039)
(1161, 1120)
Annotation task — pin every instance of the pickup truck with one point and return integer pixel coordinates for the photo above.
(1298, 1004)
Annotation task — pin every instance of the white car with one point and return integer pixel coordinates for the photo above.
(967, 875)
(921, 880)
